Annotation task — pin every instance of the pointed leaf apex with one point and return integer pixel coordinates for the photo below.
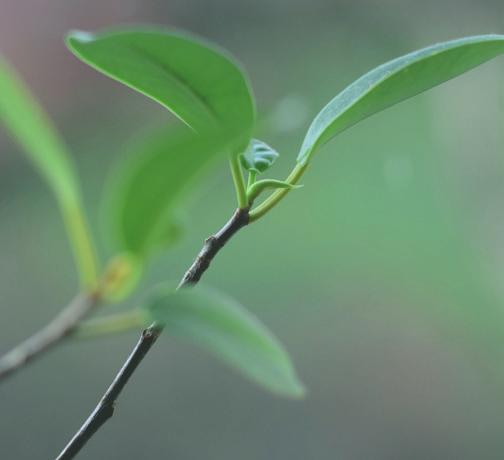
(80, 36)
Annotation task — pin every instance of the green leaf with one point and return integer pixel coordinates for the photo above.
(260, 186)
(200, 83)
(162, 171)
(30, 126)
(258, 157)
(225, 328)
(396, 81)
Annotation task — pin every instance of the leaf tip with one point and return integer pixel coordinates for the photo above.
(296, 391)
(79, 36)
(290, 386)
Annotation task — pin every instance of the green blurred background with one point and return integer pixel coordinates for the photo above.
(382, 275)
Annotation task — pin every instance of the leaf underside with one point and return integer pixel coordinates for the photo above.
(396, 81)
(225, 328)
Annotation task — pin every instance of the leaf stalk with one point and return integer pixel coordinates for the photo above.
(270, 202)
(239, 181)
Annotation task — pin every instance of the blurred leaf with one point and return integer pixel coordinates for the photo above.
(396, 81)
(121, 276)
(258, 157)
(31, 127)
(163, 171)
(28, 123)
(222, 326)
(197, 81)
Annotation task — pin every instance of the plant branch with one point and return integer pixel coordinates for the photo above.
(53, 333)
(105, 408)
(270, 202)
(239, 181)
(67, 320)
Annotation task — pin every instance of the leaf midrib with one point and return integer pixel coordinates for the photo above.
(201, 100)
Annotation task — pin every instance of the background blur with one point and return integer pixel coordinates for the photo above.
(383, 276)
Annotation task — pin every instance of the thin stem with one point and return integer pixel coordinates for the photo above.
(251, 178)
(66, 322)
(105, 408)
(270, 202)
(239, 181)
(58, 329)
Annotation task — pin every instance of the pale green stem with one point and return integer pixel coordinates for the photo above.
(82, 244)
(239, 182)
(277, 196)
(251, 178)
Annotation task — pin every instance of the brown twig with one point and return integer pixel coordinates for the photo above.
(105, 408)
(52, 334)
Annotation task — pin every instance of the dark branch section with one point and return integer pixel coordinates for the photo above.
(105, 408)
(213, 245)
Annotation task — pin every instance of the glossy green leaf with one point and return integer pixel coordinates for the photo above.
(162, 171)
(396, 81)
(33, 130)
(258, 157)
(222, 326)
(198, 82)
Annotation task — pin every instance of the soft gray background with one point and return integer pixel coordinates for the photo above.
(383, 276)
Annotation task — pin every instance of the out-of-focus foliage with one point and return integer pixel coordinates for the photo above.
(161, 172)
(222, 326)
(28, 123)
